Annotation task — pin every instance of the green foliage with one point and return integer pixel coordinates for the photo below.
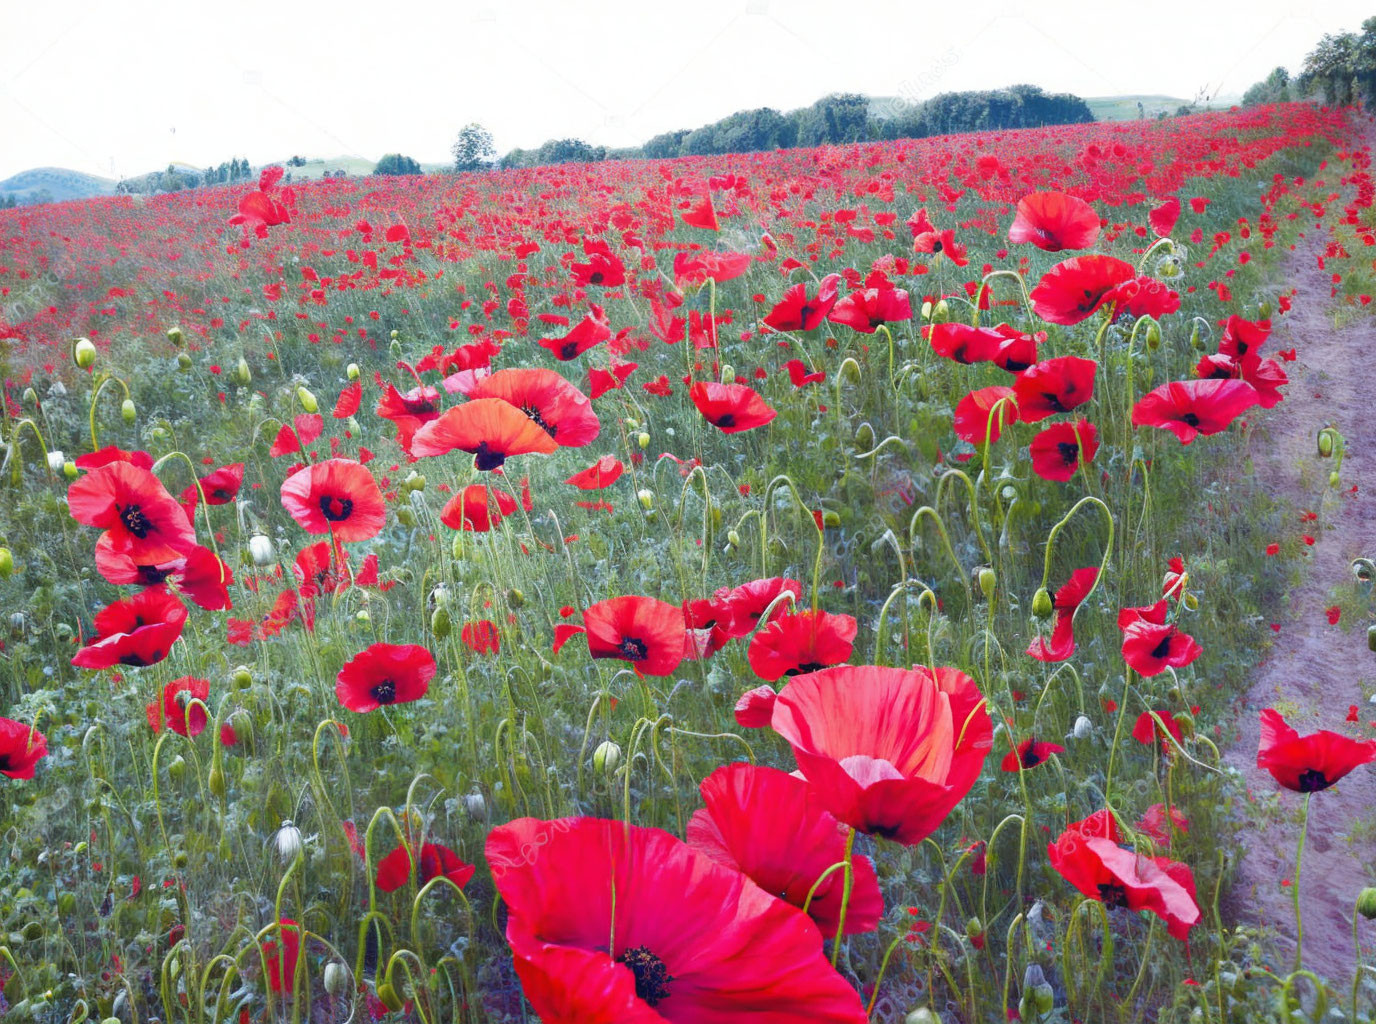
(473, 149)
(1274, 88)
(1018, 106)
(556, 151)
(395, 163)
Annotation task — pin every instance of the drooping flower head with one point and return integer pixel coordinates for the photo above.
(1308, 764)
(1053, 221)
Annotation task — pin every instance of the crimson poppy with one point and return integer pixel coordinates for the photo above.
(21, 748)
(975, 419)
(1054, 386)
(489, 429)
(551, 402)
(1243, 337)
(1145, 296)
(350, 398)
(394, 870)
(113, 453)
(477, 508)
(1148, 730)
(1118, 877)
(1307, 764)
(769, 825)
(201, 575)
(602, 381)
(701, 214)
(602, 473)
(1075, 289)
(592, 330)
(1053, 221)
(338, 497)
(1158, 824)
(1066, 605)
(220, 487)
(930, 240)
(1150, 644)
(889, 751)
(176, 711)
(385, 674)
(694, 269)
(747, 602)
(603, 268)
(755, 708)
(1162, 218)
(481, 636)
(300, 433)
(797, 312)
(1030, 753)
(730, 408)
(649, 633)
(409, 411)
(137, 631)
(1059, 450)
(802, 642)
(131, 505)
(614, 923)
(866, 309)
(798, 374)
(318, 571)
(1192, 407)
(280, 954)
(1005, 346)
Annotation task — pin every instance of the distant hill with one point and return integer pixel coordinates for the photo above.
(1124, 108)
(59, 184)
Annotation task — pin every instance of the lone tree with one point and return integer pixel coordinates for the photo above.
(473, 149)
(395, 163)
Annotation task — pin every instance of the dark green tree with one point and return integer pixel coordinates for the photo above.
(473, 149)
(395, 163)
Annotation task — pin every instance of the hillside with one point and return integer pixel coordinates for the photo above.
(59, 182)
(1124, 108)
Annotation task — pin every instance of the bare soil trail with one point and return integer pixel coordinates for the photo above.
(1315, 670)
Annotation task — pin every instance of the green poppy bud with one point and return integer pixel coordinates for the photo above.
(336, 978)
(387, 995)
(69, 470)
(183, 361)
(242, 373)
(1195, 341)
(395, 335)
(515, 598)
(441, 624)
(1371, 638)
(216, 781)
(307, 399)
(415, 482)
(242, 678)
(1326, 443)
(1366, 903)
(728, 372)
(363, 616)
(831, 519)
(1264, 310)
(988, 580)
(1153, 336)
(606, 757)
(176, 769)
(174, 335)
(6, 564)
(733, 538)
(30, 396)
(1192, 602)
(405, 516)
(127, 410)
(646, 497)
(1042, 606)
(353, 371)
(643, 439)
(1334, 480)
(84, 352)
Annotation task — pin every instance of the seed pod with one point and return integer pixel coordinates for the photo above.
(606, 757)
(441, 624)
(128, 411)
(84, 353)
(988, 580)
(1042, 605)
(1366, 903)
(306, 399)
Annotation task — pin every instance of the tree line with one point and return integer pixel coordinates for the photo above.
(1340, 70)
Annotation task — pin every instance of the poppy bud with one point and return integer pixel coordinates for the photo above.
(1264, 310)
(69, 470)
(242, 678)
(395, 335)
(128, 411)
(973, 927)
(405, 516)
(241, 372)
(442, 596)
(306, 399)
(336, 978)
(1153, 336)
(260, 549)
(1041, 603)
(386, 994)
(988, 580)
(176, 769)
(415, 482)
(183, 361)
(1326, 443)
(174, 335)
(922, 1015)
(1192, 602)
(84, 353)
(363, 615)
(56, 460)
(515, 598)
(1334, 480)
(1082, 728)
(606, 757)
(646, 498)
(66, 902)
(942, 312)
(216, 782)
(6, 564)
(352, 371)
(440, 623)
(288, 840)
(1195, 342)
(926, 310)
(733, 538)
(728, 372)
(1371, 638)
(476, 806)
(1366, 903)
(643, 439)
(632, 423)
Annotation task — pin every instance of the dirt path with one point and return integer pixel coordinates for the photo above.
(1315, 670)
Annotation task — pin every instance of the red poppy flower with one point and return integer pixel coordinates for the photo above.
(1309, 763)
(798, 375)
(1118, 877)
(866, 309)
(172, 709)
(604, 267)
(694, 269)
(477, 508)
(1243, 337)
(481, 637)
(350, 398)
(409, 411)
(1075, 289)
(889, 751)
(1053, 221)
(385, 674)
(318, 571)
(648, 633)
(300, 433)
(490, 429)
(796, 312)
(769, 825)
(141, 519)
(592, 330)
(1174, 579)
(21, 748)
(755, 708)
(602, 473)
(1058, 451)
(1162, 218)
(1030, 753)
(200, 575)
(802, 642)
(701, 214)
(280, 953)
(975, 418)
(113, 453)
(220, 487)
(1003, 345)
(747, 602)
(1067, 603)
(137, 631)
(394, 870)
(1054, 386)
(940, 243)
(1150, 644)
(1147, 730)
(338, 497)
(730, 408)
(602, 381)
(677, 923)
(1158, 824)
(554, 404)
(1193, 407)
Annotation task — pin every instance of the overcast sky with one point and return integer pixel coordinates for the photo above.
(123, 88)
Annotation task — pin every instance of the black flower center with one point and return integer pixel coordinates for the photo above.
(485, 458)
(336, 509)
(652, 977)
(633, 648)
(811, 666)
(804, 312)
(1190, 418)
(549, 428)
(595, 277)
(728, 420)
(569, 351)
(937, 247)
(1070, 453)
(1030, 757)
(1312, 780)
(384, 692)
(152, 574)
(1113, 894)
(135, 521)
(1164, 647)
(136, 660)
(5, 763)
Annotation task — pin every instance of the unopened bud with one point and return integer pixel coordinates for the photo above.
(1153, 336)
(606, 757)
(441, 624)
(84, 352)
(306, 399)
(1325, 443)
(1264, 310)
(1082, 728)
(1366, 903)
(183, 361)
(176, 769)
(242, 373)
(128, 411)
(1195, 341)
(922, 1015)
(515, 598)
(216, 782)
(353, 371)
(1334, 480)
(174, 335)
(260, 549)
(1041, 603)
(386, 994)
(988, 580)
(6, 564)
(1192, 602)
(336, 978)
(405, 516)
(69, 470)
(643, 439)
(242, 678)
(476, 806)
(288, 841)
(1371, 638)
(646, 497)
(728, 372)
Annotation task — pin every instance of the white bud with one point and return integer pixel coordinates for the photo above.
(1083, 727)
(336, 978)
(288, 842)
(646, 498)
(260, 548)
(56, 460)
(606, 757)
(476, 806)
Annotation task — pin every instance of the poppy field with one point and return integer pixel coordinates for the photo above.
(807, 585)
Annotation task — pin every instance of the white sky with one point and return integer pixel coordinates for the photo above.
(121, 88)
